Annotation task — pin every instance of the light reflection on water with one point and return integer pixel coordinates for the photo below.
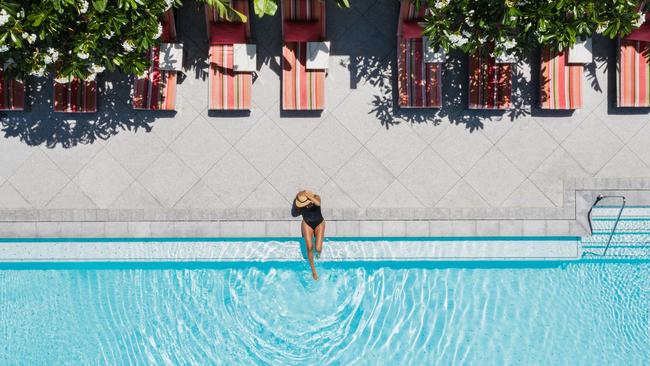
(578, 314)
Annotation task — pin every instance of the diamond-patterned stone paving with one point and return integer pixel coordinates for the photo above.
(361, 152)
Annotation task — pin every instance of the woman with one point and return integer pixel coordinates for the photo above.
(313, 224)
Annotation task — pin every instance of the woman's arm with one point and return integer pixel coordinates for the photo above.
(314, 198)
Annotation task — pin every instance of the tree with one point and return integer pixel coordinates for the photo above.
(78, 38)
(81, 38)
(517, 26)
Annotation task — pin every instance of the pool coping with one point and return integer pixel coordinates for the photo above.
(571, 219)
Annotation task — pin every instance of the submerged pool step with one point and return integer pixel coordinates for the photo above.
(292, 250)
(628, 212)
(631, 239)
(618, 251)
(602, 226)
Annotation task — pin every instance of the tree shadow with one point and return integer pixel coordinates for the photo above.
(602, 51)
(192, 32)
(40, 125)
(381, 75)
(612, 83)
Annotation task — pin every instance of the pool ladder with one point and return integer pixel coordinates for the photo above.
(599, 198)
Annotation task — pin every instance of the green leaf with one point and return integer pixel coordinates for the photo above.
(343, 3)
(16, 39)
(38, 20)
(265, 7)
(100, 5)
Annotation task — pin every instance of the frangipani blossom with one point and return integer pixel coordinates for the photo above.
(441, 4)
(62, 79)
(159, 33)
(54, 54)
(39, 72)
(96, 69)
(640, 20)
(4, 17)
(457, 40)
(128, 46)
(84, 7)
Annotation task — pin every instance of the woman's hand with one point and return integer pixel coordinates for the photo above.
(314, 198)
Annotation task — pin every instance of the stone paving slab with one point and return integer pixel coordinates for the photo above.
(369, 159)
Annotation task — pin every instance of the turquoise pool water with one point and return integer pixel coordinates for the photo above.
(585, 313)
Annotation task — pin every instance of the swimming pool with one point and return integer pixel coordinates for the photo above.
(400, 313)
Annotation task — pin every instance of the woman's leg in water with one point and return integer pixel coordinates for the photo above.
(308, 235)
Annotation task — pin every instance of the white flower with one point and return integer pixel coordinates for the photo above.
(62, 79)
(47, 59)
(469, 22)
(441, 4)
(21, 14)
(509, 44)
(39, 72)
(4, 17)
(457, 40)
(83, 55)
(54, 54)
(31, 38)
(84, 7)
(159, 33)
(96, 69)
(639, 22)
(170, 3)
(109, 36)
(4, 48)
(128, 46)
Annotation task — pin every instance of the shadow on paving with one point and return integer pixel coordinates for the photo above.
(364, 36)
(40, 125)
(372, 60)
(380, 74)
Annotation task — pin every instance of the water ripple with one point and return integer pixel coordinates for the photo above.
(356, 316)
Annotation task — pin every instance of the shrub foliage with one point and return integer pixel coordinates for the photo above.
(517, 26)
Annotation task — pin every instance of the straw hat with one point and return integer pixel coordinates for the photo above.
(301, 200)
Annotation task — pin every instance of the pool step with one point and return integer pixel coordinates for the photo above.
(631, 238)
(447, 249)
(628, 212)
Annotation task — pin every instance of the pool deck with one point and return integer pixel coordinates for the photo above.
(290, 250)
(381, 170)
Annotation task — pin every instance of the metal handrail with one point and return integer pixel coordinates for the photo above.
(599, 198)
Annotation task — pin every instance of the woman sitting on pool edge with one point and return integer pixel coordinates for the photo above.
(313, 225)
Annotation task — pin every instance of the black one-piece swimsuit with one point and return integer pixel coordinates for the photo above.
(312, 216)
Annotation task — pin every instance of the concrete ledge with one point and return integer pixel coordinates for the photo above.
(386, 228)
(260, 251)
